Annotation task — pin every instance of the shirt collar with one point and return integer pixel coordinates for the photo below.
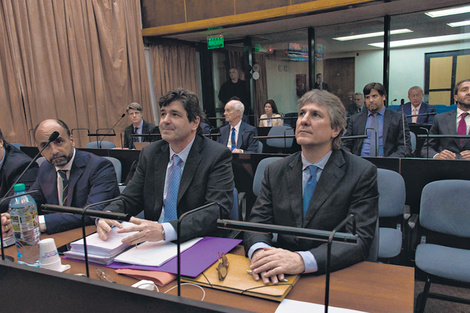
(68, 166)
(237, 127)
(381, 112)
(140, 125)
(184, 153)
(320, 163)
(459, 112)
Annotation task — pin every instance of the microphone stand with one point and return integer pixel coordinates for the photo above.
(178, 240)
(305, 233)
(86, 212)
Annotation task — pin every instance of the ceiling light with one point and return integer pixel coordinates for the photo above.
(424, 40)
(459, 24)
(447, 12)
(370, 35)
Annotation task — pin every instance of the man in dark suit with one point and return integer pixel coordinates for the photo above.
(138, 126)
(388, 126)
(175, 175)
(85, 177)
(357, 106)
(456, 122)
(416, 106)
(319, 83)
(237, 135)
(317, 189)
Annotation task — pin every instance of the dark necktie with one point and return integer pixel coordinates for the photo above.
(65, 185)
(232, 139)
(310, 187)
(136, 139)
(374, 136)
(171, 200)
(462, 129)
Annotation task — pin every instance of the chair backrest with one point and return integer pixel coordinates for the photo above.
(259, 174)
(290, 119)
(260, 147)
(445, 207)
(40, 160)
(117, 167)
(392, 192)
(280, 142)
(101, 145)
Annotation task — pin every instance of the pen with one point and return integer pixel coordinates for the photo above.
(250, 272)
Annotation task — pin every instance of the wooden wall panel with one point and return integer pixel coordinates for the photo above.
(205, 9)
(440, 73)
(160, 13)
(245, 6)
(463, 68)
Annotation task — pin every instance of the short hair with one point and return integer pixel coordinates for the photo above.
(377, 86)
(335, 109)
(190, 102)
(416, 88)
(359, 94)
(456, 88)
(5, 143)
(273, 105)
(238, 106)
(58, 121)
(318, 74)
(134, 106)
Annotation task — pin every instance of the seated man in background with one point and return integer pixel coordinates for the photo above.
(383, 127)
(138, 126)
(237, 135)
(357, 106)
(455, 122)
(321, 186)
(183, 171)
(416, 106)
(70, 177)
(12, 163)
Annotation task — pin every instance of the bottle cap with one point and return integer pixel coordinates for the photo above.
(19, 187)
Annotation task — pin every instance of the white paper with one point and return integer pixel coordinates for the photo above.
(288, 306)
(153, 253)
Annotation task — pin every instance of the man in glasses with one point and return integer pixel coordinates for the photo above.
(316, 188)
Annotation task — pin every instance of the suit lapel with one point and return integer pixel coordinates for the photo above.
(293, 180)
(162, 157)
(328, 183)
(78, 167)
(224, 134)
(386, 123)
(240, 135)
(192, 163)
(450, 126)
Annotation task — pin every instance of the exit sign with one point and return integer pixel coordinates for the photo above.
(215, 41)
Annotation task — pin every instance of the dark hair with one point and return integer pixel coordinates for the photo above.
(377, 86)
(456, 88)
(273, 105)
(334, 106)
(60, 122)
(189, 101)
(5, 143)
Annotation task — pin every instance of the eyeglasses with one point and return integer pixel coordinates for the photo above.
(222, 267)
(103, 276)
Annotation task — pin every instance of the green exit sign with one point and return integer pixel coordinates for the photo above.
(215, 41)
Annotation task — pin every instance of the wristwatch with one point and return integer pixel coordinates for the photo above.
(163, 233)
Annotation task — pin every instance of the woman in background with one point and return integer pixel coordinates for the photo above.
(271, 116)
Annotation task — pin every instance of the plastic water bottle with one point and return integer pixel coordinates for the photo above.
(25, 222)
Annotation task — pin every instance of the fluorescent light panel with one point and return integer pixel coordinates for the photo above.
(459, 24)
(447, 12)
(370, 35)
(423, 40)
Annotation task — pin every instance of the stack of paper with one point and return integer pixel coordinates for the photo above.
(99, 251)
(8, 241)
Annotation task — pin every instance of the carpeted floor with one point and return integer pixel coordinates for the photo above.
(440, 306)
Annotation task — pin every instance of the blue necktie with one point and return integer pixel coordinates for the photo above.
(65, 185)
(374, 139)
(171, 200)
(232, 139)
(310, 187)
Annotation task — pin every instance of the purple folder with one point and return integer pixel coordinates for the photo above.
(194, 260)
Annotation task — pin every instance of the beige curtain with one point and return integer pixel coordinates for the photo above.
(80, 61)
(261, 87)
(174, 65)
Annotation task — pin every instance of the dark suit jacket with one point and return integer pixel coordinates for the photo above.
(245, 140)
(444, 124)
(92, 179)
(317, 86)
(352, 109)
(394, 146)
(425, 108)
(147, 128)
(13, 165)
(207, 177)
(348, 185)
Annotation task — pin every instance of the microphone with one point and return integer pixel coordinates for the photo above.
(402, 101)
(112, 129)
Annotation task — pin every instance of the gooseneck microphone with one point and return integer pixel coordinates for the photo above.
(112, 129)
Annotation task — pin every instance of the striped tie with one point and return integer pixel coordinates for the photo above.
(310, 187)
(65, 185)
(171, 200)
(232, 140)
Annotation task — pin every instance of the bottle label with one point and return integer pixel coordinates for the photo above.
(26, 220)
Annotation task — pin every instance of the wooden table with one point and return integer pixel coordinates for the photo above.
(370, 287)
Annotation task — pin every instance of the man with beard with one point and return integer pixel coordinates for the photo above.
(70, 177)
(456, 122)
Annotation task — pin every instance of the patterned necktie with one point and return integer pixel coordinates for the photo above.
(65, 185)
(269, 122)
(414, 119)
(462, 130)
(136, 139)
(374, 135)
(310, 187)
(171, 200)
(232, 140)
